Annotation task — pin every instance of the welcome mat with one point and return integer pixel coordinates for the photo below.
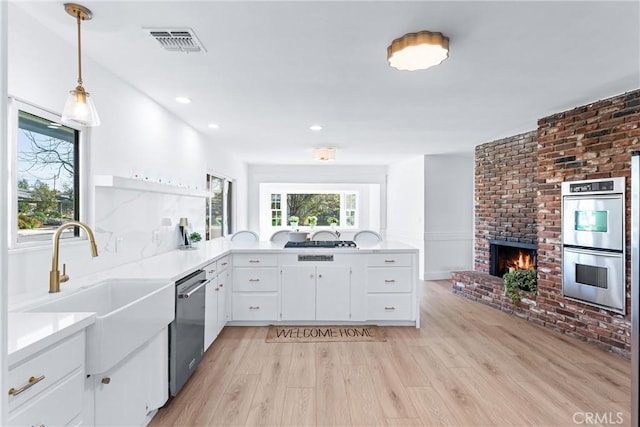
(365, 333)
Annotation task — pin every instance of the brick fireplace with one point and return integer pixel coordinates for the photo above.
(517, 200)
(505, 256)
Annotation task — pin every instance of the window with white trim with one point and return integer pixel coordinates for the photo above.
(46, 175)
(339, 208)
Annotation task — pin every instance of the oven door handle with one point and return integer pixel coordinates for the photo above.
(194, 289)
(593, 252)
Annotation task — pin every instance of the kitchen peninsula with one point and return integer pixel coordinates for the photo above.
(259, 283)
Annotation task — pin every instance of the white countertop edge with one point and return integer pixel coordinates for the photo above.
(32, 332)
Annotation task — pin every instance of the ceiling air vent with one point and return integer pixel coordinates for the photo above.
(177, 40)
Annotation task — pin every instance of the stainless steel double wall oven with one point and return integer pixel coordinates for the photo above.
(593, 241)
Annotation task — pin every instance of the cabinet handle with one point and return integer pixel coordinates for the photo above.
(254, 280)
(106, 380)
(254, 307)
(224, 263)
(389, 281)
(389, 261)
(32, 381)
(254, 261)
(389, 308)
(211, 271)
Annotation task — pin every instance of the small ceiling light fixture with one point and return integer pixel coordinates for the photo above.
(214, 125)
(79, 108)
(183, 100)
(315, 127)
(324, 154)
(418, 51)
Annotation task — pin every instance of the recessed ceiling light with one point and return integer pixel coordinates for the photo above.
(315, 127)
(214, 125)
(183, 100)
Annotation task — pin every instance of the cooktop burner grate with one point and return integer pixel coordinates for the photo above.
(322, 244)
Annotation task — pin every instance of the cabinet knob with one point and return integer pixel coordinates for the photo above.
(211, 271)
(221, 285)
(320, 275)
(105, 380)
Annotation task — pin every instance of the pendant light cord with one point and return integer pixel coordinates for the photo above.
(79, 51)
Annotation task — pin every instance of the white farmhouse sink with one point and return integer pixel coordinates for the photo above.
(128, 313)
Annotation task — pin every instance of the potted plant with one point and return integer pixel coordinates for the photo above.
(293, 221)
(333, 222)
(518, 281)
(194, 238)
(312, 221)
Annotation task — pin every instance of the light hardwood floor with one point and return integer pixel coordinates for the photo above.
(468, 365)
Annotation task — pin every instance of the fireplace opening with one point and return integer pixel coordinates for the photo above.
(506, 256)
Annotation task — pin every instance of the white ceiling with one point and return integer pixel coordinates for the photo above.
(274, 68)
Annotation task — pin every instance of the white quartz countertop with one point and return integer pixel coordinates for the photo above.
(32, 332)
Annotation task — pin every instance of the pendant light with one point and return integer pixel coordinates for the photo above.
(79, 108)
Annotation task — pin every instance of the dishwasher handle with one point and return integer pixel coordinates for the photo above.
(194, 289)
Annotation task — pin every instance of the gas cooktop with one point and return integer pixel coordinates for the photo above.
(322, 244)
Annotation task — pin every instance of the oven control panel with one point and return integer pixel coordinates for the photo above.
(591, 186)
(594, 186)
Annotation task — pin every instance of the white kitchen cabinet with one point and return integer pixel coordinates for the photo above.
(254, 287)
(391, 287)
(311, 292)
(223, 299)
(210, 304)
(48, 388)
(137, 385)
(216, 299)
(211, 308)
(298, 292)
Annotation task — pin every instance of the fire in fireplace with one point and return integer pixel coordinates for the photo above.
(506, 256)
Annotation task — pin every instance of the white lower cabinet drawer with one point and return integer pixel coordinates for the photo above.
(254, 306)
(395, 279)
(389, 307)
(45, 369)
(255, 279)
(57, 406)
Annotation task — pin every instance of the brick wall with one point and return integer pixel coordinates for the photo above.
(505, 192)
(589, 142)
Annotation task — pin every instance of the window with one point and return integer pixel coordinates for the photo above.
(218, 221)
(46, 176)
(326, 207)
(276, 210)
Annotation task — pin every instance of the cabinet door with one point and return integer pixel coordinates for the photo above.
(139, 384)
(223, 300)
(298, 293)
(120, 398)
(210, 313)
(333, 291)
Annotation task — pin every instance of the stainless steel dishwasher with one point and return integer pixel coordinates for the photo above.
(186, 332)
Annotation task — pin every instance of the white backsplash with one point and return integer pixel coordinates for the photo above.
(129, 225)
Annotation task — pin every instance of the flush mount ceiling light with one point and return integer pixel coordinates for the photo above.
(418, 51)
(324, 154)
(315, 127)
(183, 100)
(214, 126)
(79, 108)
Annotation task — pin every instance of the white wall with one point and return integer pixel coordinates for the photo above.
(136, 134)
(448, 211)
(405, 204)
(333, 174)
